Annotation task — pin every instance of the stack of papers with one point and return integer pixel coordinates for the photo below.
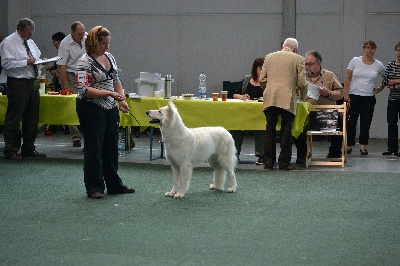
(45, 61)
(313, 91)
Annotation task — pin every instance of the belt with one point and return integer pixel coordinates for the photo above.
(25, 79)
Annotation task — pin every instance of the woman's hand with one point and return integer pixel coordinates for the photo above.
(346, 98)
(118, 96)
(245, 97)
(123, 106)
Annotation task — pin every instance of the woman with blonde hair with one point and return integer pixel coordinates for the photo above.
(98, 90)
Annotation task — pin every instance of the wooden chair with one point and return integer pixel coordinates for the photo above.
(312, 160)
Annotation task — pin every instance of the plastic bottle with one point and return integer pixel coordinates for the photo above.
(202, 86)
(121, 141)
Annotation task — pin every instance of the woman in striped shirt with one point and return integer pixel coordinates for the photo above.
(391, 78)
(98, 90)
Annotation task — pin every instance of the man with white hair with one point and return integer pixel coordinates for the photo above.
(282, 74)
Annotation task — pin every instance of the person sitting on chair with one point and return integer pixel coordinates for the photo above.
(250, 88)
(331, 92)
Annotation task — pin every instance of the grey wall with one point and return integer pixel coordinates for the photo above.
(220, 37)
(3, 17)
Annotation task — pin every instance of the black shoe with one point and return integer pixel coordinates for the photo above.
(364, 152)
(349, 150)
(76, 144)
(270, 167)
(13, 156)
(390, 152)
(260, 161)
(33, 153)
(287, 167)
(124, 191)
(96, 195)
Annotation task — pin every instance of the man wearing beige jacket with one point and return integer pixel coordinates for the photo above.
(282, 74)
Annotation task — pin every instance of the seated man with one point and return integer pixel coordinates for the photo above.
(332, 91)
(250, 88)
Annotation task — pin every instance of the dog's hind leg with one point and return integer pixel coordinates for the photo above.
(176, 174)
(219, 177)
(219, 174)
(233, 185)
(228, 165)
(185, 177)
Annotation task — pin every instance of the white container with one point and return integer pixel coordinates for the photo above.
(148, 83)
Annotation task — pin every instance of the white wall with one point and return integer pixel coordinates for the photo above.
(219, 37)
(181, 38)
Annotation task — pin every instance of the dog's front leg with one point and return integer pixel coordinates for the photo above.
(176, 174)
(185, 176)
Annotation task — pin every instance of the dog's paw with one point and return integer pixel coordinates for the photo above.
(169, 194)
(231, 190)
(179, 196)
(213, 187)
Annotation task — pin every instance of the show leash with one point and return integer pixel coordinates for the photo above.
(144, 130)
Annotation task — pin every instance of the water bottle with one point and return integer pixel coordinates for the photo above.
(202, 86)
(121, 141)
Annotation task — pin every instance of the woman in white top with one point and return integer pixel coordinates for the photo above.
(359, 92)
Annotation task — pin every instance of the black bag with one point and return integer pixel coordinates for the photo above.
(324, 120)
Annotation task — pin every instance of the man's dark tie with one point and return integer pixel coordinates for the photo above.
(30, 55)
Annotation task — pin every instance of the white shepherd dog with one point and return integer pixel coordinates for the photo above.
(187, 147)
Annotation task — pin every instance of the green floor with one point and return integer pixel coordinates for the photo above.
(275, 218)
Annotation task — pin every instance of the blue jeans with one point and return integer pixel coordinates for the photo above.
(100, 131)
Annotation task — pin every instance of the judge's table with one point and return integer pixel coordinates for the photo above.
(231, 114)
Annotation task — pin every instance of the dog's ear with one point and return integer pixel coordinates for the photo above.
(171, 104)
(170, 111)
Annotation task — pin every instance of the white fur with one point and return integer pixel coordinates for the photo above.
(185, 148)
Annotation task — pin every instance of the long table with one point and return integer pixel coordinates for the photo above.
(232, 114)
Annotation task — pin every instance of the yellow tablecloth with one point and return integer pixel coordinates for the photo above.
(232, 114)
(53, 110)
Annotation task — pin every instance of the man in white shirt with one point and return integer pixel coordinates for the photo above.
(71, 50)
(18, 56)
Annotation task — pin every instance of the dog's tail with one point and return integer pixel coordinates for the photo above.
(230, 150)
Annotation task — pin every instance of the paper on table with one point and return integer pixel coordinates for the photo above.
(53, 59)
(313, 91)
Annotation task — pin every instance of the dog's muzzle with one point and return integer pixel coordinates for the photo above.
(153, 120)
